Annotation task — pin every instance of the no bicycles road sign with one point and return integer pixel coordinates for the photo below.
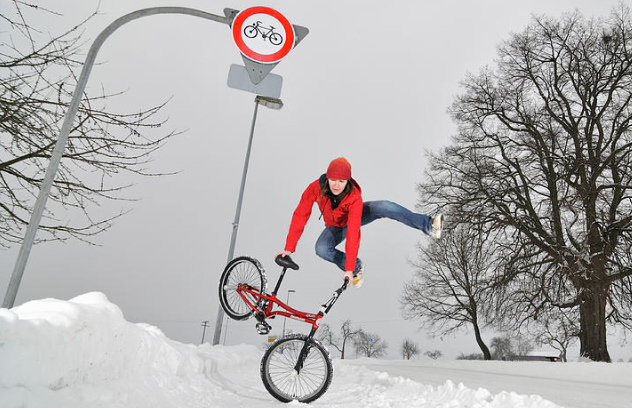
(263, 35)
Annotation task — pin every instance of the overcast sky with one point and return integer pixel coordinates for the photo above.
(370, 82)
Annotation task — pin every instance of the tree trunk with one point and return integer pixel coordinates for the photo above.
(342, 353)
(592, 336)
(479, 339)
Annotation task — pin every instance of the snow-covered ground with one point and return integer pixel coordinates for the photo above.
(83, 353)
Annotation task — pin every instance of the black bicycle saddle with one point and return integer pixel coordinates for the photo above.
(286, 262)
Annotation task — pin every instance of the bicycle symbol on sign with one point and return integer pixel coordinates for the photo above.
(255, 29)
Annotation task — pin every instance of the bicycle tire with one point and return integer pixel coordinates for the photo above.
(276, 39)
(241, 270)
(251, 31)
(278, 374)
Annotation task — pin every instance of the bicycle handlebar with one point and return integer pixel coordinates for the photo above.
(324, 309)
(344, 286)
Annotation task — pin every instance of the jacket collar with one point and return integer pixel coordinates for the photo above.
(323, 179)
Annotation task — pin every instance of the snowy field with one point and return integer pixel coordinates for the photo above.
(83, 353)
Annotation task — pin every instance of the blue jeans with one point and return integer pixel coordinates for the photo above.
(371, 210)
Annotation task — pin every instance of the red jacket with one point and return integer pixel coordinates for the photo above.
(348, 213)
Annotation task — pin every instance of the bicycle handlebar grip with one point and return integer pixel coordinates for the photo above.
(286, 262)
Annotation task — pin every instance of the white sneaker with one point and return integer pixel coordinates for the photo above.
(358, 279)
(437, 226)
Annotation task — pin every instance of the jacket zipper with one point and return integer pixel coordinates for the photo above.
(321, 212)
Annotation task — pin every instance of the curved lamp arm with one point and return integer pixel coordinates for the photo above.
(40, 203)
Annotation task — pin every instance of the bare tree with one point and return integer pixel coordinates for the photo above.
(409, 349)
(369, 345)
(434, 354)
(472, 356)
(559, 331)
(452, 284)
(509, 346)
(37, 78)
(544, 154)
(347, 334)
(502, 348)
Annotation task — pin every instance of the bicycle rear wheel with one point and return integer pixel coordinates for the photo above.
(245, 271)
(280, 377)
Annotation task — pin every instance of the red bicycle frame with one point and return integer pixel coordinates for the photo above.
(253, 298)
(269, 301)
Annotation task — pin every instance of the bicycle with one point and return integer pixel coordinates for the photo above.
(255, 29)
(296, 366)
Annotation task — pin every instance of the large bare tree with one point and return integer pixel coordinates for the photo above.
(543, 153)
(37, 78)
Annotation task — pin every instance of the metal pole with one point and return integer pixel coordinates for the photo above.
(287, 303)
(233, 237)
(40, 203)
(225, 331)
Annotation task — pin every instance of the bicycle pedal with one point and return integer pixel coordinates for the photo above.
(263, 328)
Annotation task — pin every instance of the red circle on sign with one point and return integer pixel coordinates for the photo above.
(253, 55)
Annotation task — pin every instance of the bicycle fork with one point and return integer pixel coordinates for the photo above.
(324, 309)
(304, 351)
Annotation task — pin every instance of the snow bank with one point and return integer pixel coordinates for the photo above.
(368, 388)
(83, 353)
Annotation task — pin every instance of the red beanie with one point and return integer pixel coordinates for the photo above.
(339, 169)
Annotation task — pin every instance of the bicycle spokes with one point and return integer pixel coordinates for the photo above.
(241, 286)
(284, 381)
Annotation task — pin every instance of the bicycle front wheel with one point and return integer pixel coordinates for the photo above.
(247, 272)
(280, 377)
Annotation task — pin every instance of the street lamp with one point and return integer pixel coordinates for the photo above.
(268, 102)
(272, 103)
(286, 302)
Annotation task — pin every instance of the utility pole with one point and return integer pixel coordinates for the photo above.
(205, 325)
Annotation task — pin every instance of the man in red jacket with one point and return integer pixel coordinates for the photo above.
(339, 199)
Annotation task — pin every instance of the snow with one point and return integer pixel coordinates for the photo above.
(84, 353)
